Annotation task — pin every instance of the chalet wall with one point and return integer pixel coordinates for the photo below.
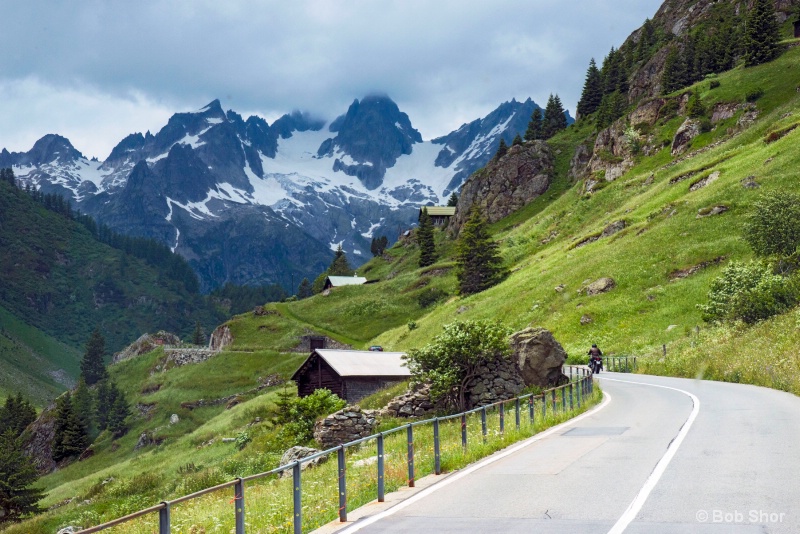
(358, 388)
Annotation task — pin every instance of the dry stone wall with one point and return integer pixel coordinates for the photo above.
(346, 425)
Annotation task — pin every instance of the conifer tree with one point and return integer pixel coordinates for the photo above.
(673, 76)
(647, 38)
(762, 33)
(340, 266)
(427, 247)
(102, 405)
(502, 148)
(554, 119)
(534, 130)
(517, 140)
(93, 368)
(304, 290)
(83, 405)
(198, 336)
(69, 437)
(119, 413)
(17, 474)
(592, 92)
(16, 414)
(477, 258)
(611, 108)
(452, 202)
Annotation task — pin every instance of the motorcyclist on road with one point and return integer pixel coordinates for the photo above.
(595, 358)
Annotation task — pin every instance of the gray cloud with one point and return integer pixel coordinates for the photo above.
(99, 69)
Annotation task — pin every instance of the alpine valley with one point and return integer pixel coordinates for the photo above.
(252, 203)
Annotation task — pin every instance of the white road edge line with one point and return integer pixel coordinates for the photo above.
(358, 525)
(636, 505)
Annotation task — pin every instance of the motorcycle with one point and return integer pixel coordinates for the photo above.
(595, 365)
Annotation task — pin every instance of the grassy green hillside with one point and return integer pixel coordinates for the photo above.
(58, 282)
(663, 262)
(32, 362)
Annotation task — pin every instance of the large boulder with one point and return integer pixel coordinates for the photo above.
(221, 337)
(538, 357)
(145, 344)
(296, 453)
(686, 132)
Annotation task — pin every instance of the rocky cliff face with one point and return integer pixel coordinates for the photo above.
(506, 184)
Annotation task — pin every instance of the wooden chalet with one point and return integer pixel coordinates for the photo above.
(339, 281)
(440, 215)
(351, 374)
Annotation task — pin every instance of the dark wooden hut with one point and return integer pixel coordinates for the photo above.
(351, 374)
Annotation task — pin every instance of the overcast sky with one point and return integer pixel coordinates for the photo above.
(97, 70)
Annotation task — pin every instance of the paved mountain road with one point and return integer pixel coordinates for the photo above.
(725, 461)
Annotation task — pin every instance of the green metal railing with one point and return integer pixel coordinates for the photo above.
(571, 395)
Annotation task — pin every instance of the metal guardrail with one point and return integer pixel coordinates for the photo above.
(580, 385)
(620, 364)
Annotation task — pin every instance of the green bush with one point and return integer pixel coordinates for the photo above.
(298, 415)
(430, 296)
(750, 292)
(773, 228)
(714, 84)
(754, 94)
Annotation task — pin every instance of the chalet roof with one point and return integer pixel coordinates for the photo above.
(446, 211)
(337, 281)
(361, 362)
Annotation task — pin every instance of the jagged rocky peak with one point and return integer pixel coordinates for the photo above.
(52, 148)
(369, 139)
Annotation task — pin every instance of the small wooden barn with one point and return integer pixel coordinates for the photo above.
(339, 281)
(351, 374)
(440, 215)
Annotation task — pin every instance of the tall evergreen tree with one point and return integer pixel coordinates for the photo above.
(762, 33)
(198, 336)
(70, 437)
(554, 118)
(647, 38)
(674, 75)
(378, 245)
(592, 92)
(452, 202)
(479, 265)
(83, 405)
(93, 368)
(103, 405)
(611, 108)
(16, 414)
(427, 247)
(534, 130)
(517, 140)
(502, 148)
(17, 474)
(340, 266)
(304, 290)
(117, 420)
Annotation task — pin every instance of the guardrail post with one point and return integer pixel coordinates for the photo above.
(238, 503)
(516, 412)
(163, 519)
(571, 407)
(297, 499)
(544, 406)
(342, 484)
(410, 435)
(553, 397)
(634, 364)
(483, 422)
(626, 365)
(380, 468)
(563, 398)
(464, 430)
(530, 409)
(570, 373)
(437, 458)
(502, 417)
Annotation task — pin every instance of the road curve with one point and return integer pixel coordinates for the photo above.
(665, 455)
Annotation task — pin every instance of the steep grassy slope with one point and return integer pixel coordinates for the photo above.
(32, 362)
(57, 281)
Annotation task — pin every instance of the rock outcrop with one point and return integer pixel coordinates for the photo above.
(145, 344)
(221, 337)
(39, 439)
(538, 357)
(506, 184)
(296, 453)
(601, 285)
(686, 132)
(348, 424)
